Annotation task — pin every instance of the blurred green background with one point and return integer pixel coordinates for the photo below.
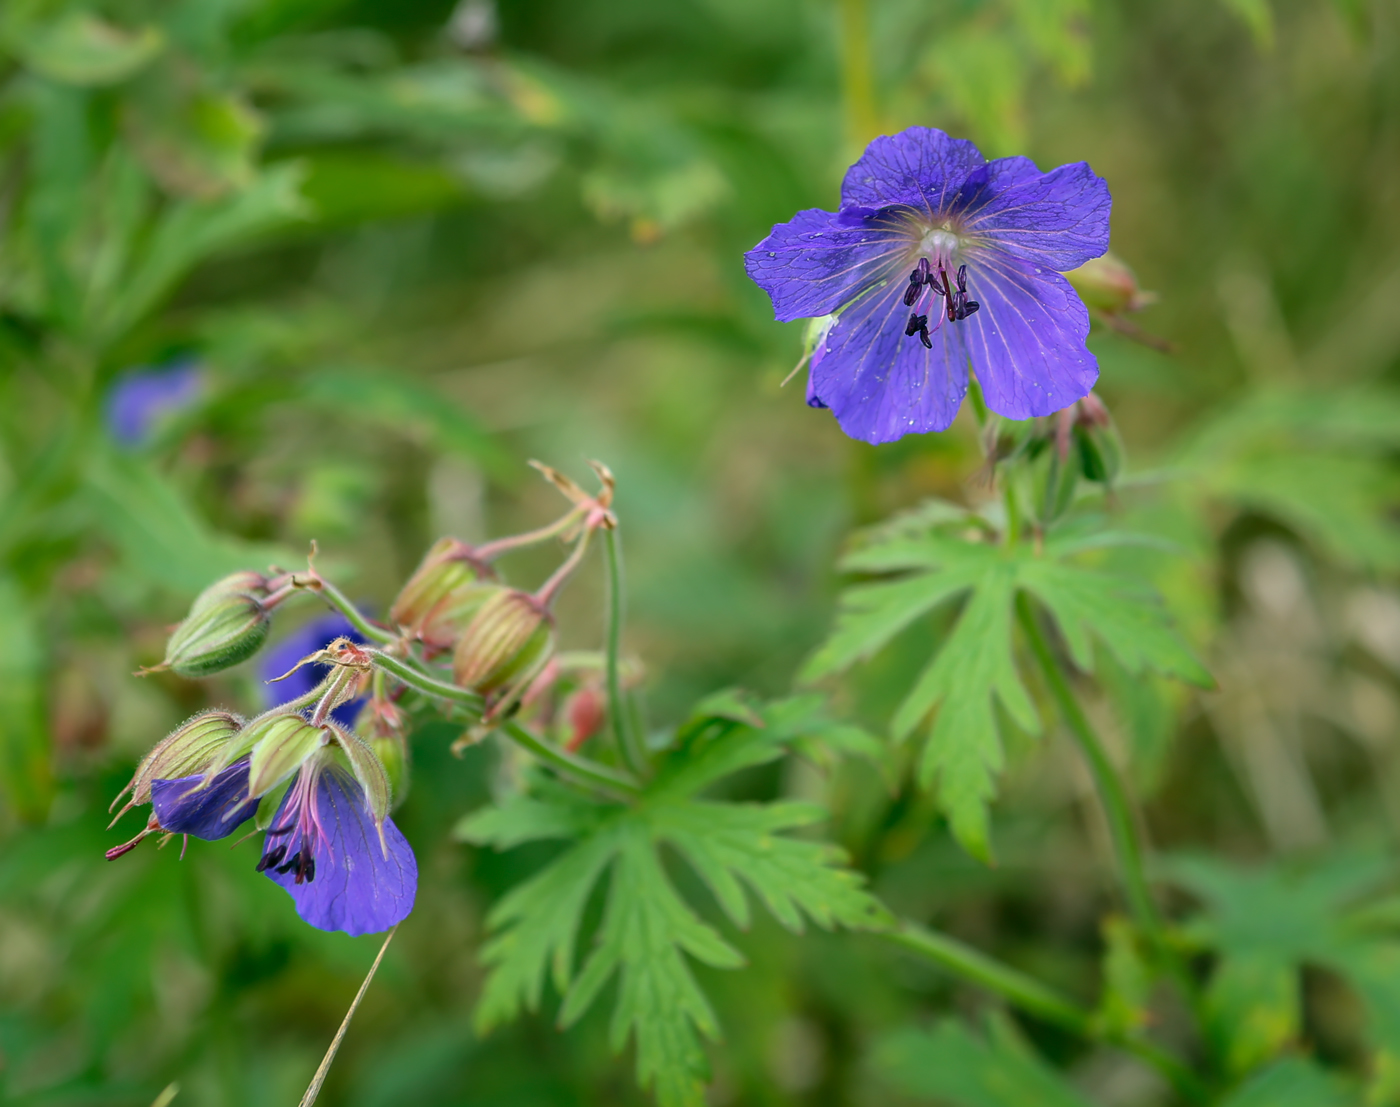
(399, 248)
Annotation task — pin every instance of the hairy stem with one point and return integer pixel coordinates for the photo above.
(337, 599)
(420, 681)
(1118, 812)
(569, 764)
(624, 730)
(320, 1078)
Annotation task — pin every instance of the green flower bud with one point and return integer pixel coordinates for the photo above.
(227, 624)
(1107, 284)
(508, 640)
(209, 741)
(381, 724)
(280, 741)
(443, 593)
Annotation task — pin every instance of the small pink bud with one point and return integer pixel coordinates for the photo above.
(584, 711)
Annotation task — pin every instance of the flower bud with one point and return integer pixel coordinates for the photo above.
(208, 741)
(281, 741)
(227, 624)
(585, 711)
(381, 724)
(1107, 284)
(508, 640)
(443, 593)
(1096, 439)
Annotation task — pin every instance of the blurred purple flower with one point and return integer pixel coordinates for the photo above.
(324, 848)
(936, 261)
(306, 640)
(187, 805)
(139, 401)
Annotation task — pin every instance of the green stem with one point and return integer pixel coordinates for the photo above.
(580, 768)
(420, 681)
(1118, 812)
(336, 598)
(857, 80)
(624, 732)
(1035, 998)
(971, 964)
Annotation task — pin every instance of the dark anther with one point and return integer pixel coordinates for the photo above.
(962, 278)
(292, 862)
(310, 866)
(269, 860)
(921, 276)
(916, 324)
(923, 334)
(969, 308)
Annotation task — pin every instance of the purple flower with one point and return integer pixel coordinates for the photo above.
(314, 636)
(141, 399)
(342, 871)
(940, 261)
(187, 805)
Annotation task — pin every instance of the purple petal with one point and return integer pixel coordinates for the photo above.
(184, 806)
(882, 384)
(921, 167)
(1027, 341)
(1056, 220)
(142, 398)
(822, 260)
(358, 886)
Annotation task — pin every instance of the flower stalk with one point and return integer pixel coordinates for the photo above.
(624, 728)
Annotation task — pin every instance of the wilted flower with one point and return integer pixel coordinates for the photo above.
(939, 261)
(344, 869)
(141, 399)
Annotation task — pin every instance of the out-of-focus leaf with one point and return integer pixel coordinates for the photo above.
(1293, 1082)
(1258, 16)
(949, 1064)
(191, 232)
(383, 397)
(350, 188)
(1127, 980)
(26, 772)
(648, 928)
(81, 48)
(1314, 461)
(201, 145)
(160, 538)
(1267, 922)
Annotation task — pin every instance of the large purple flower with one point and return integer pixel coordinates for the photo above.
(342, 870)
(939, 261)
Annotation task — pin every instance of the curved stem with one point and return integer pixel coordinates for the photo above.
(624, 732)
(320, 1078)
(1118, 812)
(1027, 993)
(420, 681)
(1035, 998)
(580, 768)
(499, 546)
(337, 599)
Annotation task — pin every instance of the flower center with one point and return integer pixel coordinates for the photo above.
(933, 280)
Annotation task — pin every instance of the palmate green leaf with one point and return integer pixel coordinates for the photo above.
(951, 1065)
(648, 931)
(974, 673)
(1293, 1082)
